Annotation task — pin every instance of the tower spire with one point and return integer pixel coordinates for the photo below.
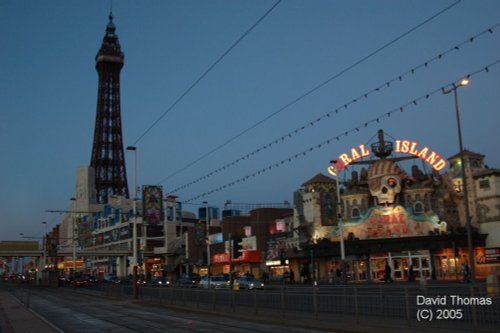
(107, 151)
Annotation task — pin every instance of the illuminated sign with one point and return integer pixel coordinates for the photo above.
(431, 157)
(355, 154)
(215, 238)
(377, 223)
(152, 204)
(402, 146)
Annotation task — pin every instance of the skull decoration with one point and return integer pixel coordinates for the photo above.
(384, 181)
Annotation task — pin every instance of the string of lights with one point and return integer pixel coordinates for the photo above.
(310, 91)
(344, 134)
(387, 84)
(181, 97)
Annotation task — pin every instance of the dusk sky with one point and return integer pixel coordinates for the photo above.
(225, 78)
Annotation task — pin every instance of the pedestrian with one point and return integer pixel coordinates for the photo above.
(338, 274)
(387, 277)
(466, 273)
(292, 276)
(411, 274)
(330, 276)
(286, 277)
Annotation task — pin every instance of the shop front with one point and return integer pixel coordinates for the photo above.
(432, 257)
(248, 263)
(278, 270)
(400, 263)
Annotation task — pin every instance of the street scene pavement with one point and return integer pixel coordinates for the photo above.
(107, 308)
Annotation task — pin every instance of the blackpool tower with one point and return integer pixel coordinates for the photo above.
(107, 150)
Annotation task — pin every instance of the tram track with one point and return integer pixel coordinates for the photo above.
(74, 311)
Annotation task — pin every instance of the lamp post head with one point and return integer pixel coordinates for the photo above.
(464, 82)
(131, 148)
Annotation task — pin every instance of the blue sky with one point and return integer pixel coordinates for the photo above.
(48, 91)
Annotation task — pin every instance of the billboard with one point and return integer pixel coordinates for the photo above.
(152, 204)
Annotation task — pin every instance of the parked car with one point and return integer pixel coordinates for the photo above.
(189, 280)
(111, 278)
(160, 282)
(78, 281)
(91, 279)
(216, 282)
(249, 282)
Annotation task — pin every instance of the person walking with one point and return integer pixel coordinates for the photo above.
(466, 273)
(387, 277)
(411, 274)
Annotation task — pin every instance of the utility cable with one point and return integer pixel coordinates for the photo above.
(344, 106)
(309, 92)
(377, 120)
(205, 73)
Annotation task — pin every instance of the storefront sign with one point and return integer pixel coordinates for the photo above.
(488, 255)
(246, 257)
(378, 223)
(249, 243)
(402, 146)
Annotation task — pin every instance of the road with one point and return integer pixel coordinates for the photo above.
(77, 312)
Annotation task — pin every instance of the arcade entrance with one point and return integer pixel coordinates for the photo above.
(400, 264)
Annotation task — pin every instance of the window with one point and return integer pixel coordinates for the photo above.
(355, 214)
(280, 226)
(247, 230)
(418, 208)
(484, 184)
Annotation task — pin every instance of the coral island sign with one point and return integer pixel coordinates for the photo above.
(402, 146)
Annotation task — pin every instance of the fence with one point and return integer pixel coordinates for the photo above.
(460, 307)
(464, 307)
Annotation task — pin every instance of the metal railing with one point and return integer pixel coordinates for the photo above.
(462, 307)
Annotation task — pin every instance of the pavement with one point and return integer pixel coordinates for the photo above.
(16, 317)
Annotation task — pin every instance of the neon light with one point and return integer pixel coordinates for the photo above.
(402, 146)
(411, 147)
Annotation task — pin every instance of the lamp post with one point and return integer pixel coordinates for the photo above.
(208, 242)
(454, 87)
(134, 222)
(333, 171)
(73, 236)
(134, 207)
(44, 247)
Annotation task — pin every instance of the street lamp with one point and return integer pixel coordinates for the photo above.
(333, 171)
(73, 236)
(44, 245)
(208, 243)
(134, 222)
(454, 87)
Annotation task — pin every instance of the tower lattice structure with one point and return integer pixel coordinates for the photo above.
(107, 152)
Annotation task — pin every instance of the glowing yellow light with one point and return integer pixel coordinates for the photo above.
(464, 82)
(331, 171)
